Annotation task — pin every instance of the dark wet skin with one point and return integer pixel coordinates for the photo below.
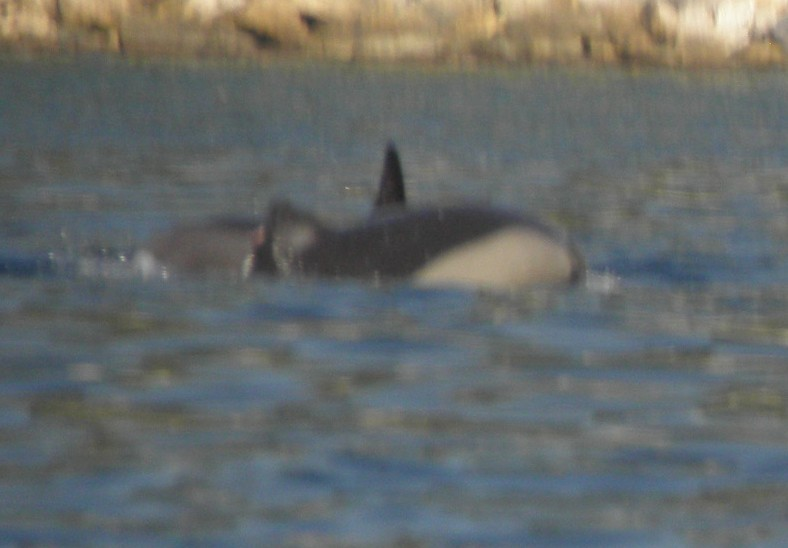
(391, 246)
(393, 243)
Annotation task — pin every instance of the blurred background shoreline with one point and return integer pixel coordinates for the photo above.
(667, 33)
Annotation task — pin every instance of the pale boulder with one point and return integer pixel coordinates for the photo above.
(780, 32)
(95, 13)
(208, 10)
(274, 22)
(22, 20)
(517, 9)
(725, 25)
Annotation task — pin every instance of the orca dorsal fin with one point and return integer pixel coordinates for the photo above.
(392, 185)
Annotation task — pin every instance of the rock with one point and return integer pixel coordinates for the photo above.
(768, 14)
(717, 28)
(473, 21)
(670, 32)
(148, 37)
(780, 33)
(394, 47)
(598, 31)
(26, 20)
(661, 19)
(104, 14)
(762, 54)
(93, 24)
(390, 17)
(336, 10)
(621, 24)
(519, 9)
(386, 30)
(208, 10)
(545, 37)
(274, 23)
(723, 23)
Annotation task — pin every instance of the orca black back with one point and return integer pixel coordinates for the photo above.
(472, 246)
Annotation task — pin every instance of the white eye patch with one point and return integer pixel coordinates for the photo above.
(289, 241)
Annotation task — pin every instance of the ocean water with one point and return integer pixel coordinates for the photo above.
(646, 407)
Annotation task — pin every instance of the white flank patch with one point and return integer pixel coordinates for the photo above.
(506, 259)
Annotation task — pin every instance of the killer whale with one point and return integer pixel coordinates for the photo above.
(464, 245)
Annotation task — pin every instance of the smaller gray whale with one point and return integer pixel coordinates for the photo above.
(465, 245)
(219, 247)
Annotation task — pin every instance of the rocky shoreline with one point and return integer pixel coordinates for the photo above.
(673, 33)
